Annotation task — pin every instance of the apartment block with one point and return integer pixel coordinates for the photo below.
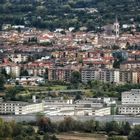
(118, 76)
(88, 74)
(130, 102)
(104, 75)
(59, 74)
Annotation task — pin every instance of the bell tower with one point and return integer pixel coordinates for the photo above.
(117, 28)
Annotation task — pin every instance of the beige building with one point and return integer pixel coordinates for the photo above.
(130, 65)
(104, 75)
(88, 74)
(130, 76)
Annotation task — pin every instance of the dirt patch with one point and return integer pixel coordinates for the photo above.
(80, 137)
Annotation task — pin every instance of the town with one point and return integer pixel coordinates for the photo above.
(31, 58)
(62, 81)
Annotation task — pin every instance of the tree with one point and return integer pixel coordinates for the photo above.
(135, 133)
(78, 97)
(75, 77)
(54, 138)
(119, 56)
(46, 137)
(115, 47)
(90, 126)
(1, 127)
(30, 130)
(3, 72)
(66, 125)
(41, 11)
(19, 137)
(7, 130)
(112, 126)
(2, 81)
(126, 128)
(24, 73)
(46, 125)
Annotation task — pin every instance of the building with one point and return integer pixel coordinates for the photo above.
(109, 75)
(117, 28)
(104, 75)
(96, 102)
(20, 108)
(129, 76)
(89, 74)
(84, 107)
(29, 108)
(29, 80)
(12, 69)
(60, 74)
(134, 64)
(18, 58)
(102, 111)
(38, 68)
(131, 97)
(130, 102)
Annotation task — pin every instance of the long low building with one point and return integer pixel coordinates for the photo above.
(20, 108)
(84, 107)
(77, 111)
(129, 109)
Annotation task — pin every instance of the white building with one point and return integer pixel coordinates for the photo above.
(130, 102)
(29, 108)
(20, 108)
(18, 58)
(102, 111)
(129, 109)
(13, 69)
(85, 107)
(131, 97)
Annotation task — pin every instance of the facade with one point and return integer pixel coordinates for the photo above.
(38, 68)
(132, 97)
(129, 110)
(28, 109)
(104, 75)
(84, 107)
(88, 74)
(18, 58)
(130, 102)
(129, 76)
(13, 70)
(20, 108)
(110, 75)
(102, 111)
(59, 74)
(130, 64)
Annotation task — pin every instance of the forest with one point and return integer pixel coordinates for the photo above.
(51, 14)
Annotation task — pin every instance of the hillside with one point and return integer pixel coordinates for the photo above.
(66, 13)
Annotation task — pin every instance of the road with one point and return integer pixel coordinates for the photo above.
(118, 118)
